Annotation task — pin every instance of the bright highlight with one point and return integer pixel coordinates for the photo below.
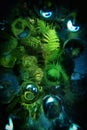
(46, 14)
(71, 27)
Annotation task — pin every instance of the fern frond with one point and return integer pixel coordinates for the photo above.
(33, 42)
(51, 40)
(42, 26)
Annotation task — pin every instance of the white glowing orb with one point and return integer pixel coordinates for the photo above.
(10, 125)
(74, 127)
(71, 27)
(46, 14)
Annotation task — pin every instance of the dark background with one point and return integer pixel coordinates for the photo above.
(78, 5)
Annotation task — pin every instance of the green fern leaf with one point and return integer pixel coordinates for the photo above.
(42, 26)
(51, 40)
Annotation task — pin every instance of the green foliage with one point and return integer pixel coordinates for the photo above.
(51, 40)
(31, 41)
(7, 43)
(55, 74)
(8, 60)
(18, 26)
(50, 45)
(42, 26)
(57, 71)
(45, 39)
(51, 56)
(41, 44)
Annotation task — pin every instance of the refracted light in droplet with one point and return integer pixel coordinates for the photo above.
(30, 93)
(46, 14)
(50, 99)
(52, 107)
(32, 87)
(72, 27)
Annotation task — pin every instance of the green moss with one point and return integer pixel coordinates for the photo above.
(20, 25)
(55, 74)
(8, 61)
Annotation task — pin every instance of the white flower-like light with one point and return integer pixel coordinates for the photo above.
(46, 14)
(10, 125)
(74, 127)
(72, 27)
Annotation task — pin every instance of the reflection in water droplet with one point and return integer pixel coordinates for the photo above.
(51, 106)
